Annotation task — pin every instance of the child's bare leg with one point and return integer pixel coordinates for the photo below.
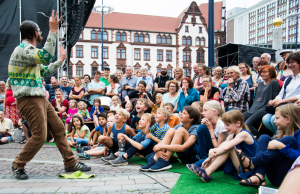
(66, 127)
(220, 160)
(95, 119)
(95, 152)
(95, 137)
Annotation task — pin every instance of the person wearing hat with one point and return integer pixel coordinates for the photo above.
(105, 77)
(285, 53)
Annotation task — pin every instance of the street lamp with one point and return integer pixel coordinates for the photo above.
(102, 9)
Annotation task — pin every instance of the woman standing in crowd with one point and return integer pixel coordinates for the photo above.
(211, 133)
(209, 92)
(178, 74)
(172, 96)
(78, 91)
(188, 94)
(260, 64)
(289, 93)
(217, 77)
(138, 73)
(266, 91)
(2, 94)
(60, 104)
(203, 70)
(112, 88)
(72, 84)
(119, 75)
(10, 104)
(224, 81)
(247, 76)
(274, 158)
(284, 71)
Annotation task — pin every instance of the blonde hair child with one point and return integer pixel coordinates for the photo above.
(158, 99)
(115, 102)
(82, 110)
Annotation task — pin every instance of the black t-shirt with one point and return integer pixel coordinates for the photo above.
(212, 93)
(161, 81)
(135, 94)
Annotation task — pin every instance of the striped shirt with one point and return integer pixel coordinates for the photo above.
(159, 133)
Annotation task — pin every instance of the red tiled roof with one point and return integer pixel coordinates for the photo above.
(134, 22)
(204, 10)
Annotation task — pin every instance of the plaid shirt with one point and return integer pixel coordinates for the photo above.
(240, 95)
(159, 133)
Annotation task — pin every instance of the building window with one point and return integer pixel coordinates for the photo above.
(93, 35)
(186, 29)
(200, 30)
(186, 56)
(146, 38)
(219, 40)
(136, 37)
(99, 37)
(79, 51)
(121, 53)
(200, 57)
(124, 37)
(197, 41)
(202, 42)
(187, 72)
(184, 40)
(105, 36)
(94, 68)
(158, 39)
(164, 39)
(142, 38)
(70, 71)
(105, 53)
(94, 52)
(137, 54)
(169, 40)
(170, 72)
(169, 56)
(189, 40)
(79, 71)
(118, 36)
(146, 55)
(159, 55)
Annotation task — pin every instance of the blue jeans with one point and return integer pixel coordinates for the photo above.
(268, 121)
(80, 141)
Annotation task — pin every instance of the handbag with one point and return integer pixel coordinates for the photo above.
(18, 135)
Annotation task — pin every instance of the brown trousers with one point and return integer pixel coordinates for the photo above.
(40, 114)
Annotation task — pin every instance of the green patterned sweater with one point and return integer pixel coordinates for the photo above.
(25, 67)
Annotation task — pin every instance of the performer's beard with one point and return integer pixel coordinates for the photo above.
(39, 39)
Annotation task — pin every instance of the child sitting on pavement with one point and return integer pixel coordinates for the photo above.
(174, 120)
(141, 106)
(102, 120)
(138, 144)
(82, 131)
(95, 110)
(181, 139)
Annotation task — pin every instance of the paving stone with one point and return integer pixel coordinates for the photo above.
(106, 188)
(137, 186)
(148, 180)
(114, 178)
(74, 189)
(123, 182)
(13, 190)
(171, 179)
(54, 184)
(88, 184)
(29, 185)
(42, 189)
(142, 176)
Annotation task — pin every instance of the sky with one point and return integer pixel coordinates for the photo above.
(169, 8)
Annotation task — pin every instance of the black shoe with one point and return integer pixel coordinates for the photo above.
(79, 166)
(19, 174)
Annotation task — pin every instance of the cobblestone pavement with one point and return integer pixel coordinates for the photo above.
(47, 164)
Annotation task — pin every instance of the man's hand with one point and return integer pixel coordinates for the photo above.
(230, 82)
(63, 53)
(54, 23)
(128, 88)
(298, 103)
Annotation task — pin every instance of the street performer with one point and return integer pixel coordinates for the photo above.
(25, 72)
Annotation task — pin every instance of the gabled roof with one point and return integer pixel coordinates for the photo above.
(134, 22)
(204, 10)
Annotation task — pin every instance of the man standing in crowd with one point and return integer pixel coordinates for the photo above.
(254, 70)
(96, 87)
(101, 74)
(196, 71)
(85, 85)
(30, 95)
(267, 57)
(145, 78)
(160, 81)
(65, 88)
(51, 89)
(105, 76)
(285, 53)
(128, 83)
(6, 129)
(237, 94)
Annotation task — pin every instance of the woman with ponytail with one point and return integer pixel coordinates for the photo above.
(274, 158)
(211, 133)
(239, 137)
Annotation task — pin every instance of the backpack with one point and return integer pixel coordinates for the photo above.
(19, 135)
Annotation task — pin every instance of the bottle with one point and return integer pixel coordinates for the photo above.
(121, 146)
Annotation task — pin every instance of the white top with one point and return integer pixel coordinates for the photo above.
(7, 124)
(108, 88)
(293, 89)
(114, 107)
(220, 128)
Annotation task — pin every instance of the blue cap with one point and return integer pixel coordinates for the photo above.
(106, 68)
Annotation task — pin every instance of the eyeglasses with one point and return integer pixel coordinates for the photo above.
(172, 86)
(163, 69)
(185, 82)
(264, 72)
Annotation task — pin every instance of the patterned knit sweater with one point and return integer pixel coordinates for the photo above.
(25, 67)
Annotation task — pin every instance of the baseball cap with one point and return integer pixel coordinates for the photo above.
(106, 68)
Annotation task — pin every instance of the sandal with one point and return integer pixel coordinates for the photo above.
(200, 171)
(249, 183)
(24, 141)
(240, 156)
